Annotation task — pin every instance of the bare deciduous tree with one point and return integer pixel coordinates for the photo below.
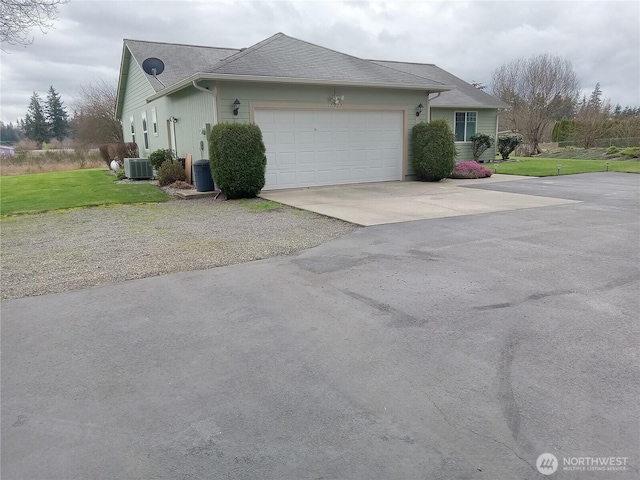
(18, 17)
(94, 121)
(536, 88)
(593, 120)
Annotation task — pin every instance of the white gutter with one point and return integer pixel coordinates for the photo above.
(214, 95)
(429, 104)
(291, 80)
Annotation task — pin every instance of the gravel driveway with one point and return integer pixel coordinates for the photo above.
(67, 250)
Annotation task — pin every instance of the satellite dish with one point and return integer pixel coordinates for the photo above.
(153, 66)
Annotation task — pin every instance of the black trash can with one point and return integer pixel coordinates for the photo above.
(202, 176)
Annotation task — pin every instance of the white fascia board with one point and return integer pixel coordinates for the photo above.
(298, 81)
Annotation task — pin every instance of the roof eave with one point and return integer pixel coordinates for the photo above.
(296, 81)
(124, 72)
(460, 105)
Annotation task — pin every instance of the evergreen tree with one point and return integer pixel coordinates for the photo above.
(57, 115)
(617, 112)
(8, 134)
(595, 102)
(35, 123)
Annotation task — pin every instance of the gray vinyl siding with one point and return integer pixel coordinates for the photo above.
(486, 123)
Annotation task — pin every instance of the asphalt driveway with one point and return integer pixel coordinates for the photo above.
(453, 348)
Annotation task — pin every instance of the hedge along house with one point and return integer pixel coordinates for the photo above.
(326, 117)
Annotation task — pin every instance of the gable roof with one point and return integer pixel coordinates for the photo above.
(282, 56)
(180, 61)
(279, 58)
(464, 95)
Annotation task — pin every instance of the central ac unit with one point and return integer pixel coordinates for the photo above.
(138, 168)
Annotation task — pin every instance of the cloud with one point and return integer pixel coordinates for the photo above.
(469, 39)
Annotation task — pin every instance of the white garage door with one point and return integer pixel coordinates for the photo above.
(328, 147)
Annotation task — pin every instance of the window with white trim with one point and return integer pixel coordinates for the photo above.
(145, 130)
(133, 129)
(154, 121)
(465, 125)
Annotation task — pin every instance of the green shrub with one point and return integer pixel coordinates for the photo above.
(479, 144)
(631, 152)
(120, 175)
(158, 157)
(612, 150)
(237, 158)
(433, 149)
(507, 143)
(169, 172)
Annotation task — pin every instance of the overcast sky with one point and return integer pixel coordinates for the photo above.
(469, 39)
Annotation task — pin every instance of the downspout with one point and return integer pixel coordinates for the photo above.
(429, 104)
(214, 95)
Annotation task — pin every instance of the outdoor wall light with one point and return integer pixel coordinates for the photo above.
(236, 106)
(335, 100)
(419, 109)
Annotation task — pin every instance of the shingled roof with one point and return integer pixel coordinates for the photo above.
(464, 95)
(180, 61)
(286, 57)
(278, 58)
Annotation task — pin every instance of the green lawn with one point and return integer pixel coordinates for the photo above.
(41, 192)
(544, 167)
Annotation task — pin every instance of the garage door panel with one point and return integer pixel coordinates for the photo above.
(286, 159)
(342, 175)
(333, 146)
(285, 138)
(305, 158)
(268, 137)
(324, 176)
(304, 118)
(322, 137)
(284, 117)
(304, 137)
(341, 138)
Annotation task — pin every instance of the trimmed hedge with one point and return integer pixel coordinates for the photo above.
(433, 149)
(118, 152)
(507, 143)
(480, 142)
(237, 158)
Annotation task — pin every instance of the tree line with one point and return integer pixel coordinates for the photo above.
(542, 92)
(43, 123)
(91, 123)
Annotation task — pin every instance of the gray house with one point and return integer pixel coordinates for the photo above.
(326, 117)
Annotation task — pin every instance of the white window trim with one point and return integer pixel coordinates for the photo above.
(132, 128)
(465, 124)
(154, 121)
(145, 131)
